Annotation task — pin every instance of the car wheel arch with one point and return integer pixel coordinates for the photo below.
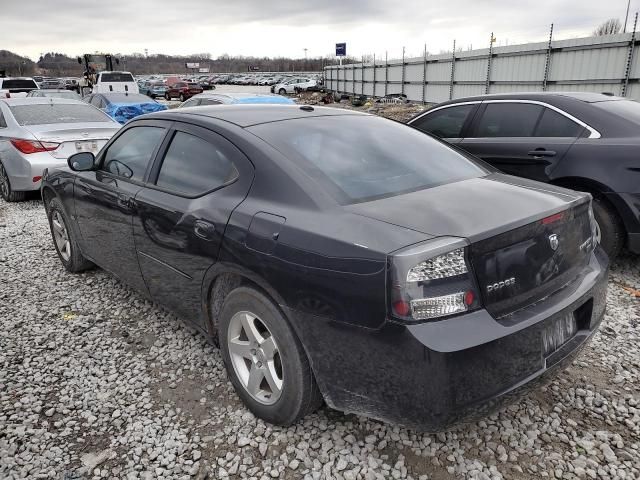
(48, 194)
(220, 280)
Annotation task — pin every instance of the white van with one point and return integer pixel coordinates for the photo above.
(115, 82)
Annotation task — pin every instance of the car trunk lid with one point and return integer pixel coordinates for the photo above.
(74, 138)
(512, 225)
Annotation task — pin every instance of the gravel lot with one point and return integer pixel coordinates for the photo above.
(96, 382)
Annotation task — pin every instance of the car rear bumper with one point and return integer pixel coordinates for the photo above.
(22, 171)
(431, 375)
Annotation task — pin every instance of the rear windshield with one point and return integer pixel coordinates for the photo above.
(63, 94)
(627, 109)
(46, 114)
(191, 84)
(18, 83)
(124, 98)
(116, 77)
(361, 158)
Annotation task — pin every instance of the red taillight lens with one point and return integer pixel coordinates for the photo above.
(553, 218)
(33, 146)
(402, 308)
(37, 179)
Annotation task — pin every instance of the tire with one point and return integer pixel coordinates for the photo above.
(167, 97)
(69, 254)
(612, 233)
(182, 97)
(289, 365)
(282, 91)
(5, 188)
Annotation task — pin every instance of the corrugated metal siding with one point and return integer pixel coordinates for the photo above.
(593, 64)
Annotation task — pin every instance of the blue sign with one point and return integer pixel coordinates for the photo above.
(341, 49)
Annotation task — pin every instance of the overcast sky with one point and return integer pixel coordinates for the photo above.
(286, 27)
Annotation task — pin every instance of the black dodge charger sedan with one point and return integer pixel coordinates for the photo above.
(584, 141)
(338, 256)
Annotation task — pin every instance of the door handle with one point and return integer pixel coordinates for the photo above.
(204, 230)
(542, 153)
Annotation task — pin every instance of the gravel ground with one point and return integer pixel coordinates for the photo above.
(96, 382)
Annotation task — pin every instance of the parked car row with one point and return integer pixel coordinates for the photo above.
(329, 251)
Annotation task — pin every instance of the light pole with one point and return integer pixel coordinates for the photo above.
(626, 17)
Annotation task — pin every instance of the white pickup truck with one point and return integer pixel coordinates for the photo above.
(115, 82)
(15, 87)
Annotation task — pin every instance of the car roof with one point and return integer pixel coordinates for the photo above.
(254, 114)
(53, 90)
(588, 97)
(41, 101)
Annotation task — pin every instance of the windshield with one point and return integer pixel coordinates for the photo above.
(46, 114)
(628, 109)
(360, 158)
(116, 77)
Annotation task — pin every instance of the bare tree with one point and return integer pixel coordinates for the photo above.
(610, 27)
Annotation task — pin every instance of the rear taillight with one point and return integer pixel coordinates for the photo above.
(33, 146)
(431, 280)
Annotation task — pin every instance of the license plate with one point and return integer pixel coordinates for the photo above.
(87, 147)
(558, 332)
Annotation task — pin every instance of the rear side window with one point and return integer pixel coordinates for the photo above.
(3, 123)
(18, 84)
(554, 124)
(508, 120)
(47, 114)
(113, 77)
(130, 154)
(359, 158)
(193, 166)
(446, 122)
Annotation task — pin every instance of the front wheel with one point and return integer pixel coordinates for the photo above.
(64, 240)
(282, 91)
(265, 360)
(609, 228)
(182, 97)
(167, 97)
(5, 188)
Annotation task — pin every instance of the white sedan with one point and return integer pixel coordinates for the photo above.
(290, 86)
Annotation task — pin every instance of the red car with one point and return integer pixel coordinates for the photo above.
(182, 90)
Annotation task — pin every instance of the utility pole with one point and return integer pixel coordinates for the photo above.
(626, 17)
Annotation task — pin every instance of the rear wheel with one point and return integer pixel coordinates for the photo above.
(182, 97)
(265, 360)
(609, 228)
(64, 240)
(5, 188)
(282, 91)
(167, 97)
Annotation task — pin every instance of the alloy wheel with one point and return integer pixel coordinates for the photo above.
(4, 182)
(61, 235)
(255, 357)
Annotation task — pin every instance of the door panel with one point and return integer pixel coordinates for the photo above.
(104, 209)
(527, 140)
(179, 226)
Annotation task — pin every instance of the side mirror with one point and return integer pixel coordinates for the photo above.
(82, 162)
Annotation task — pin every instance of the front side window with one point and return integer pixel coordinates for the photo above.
(130, 154)
(193, 166)
(446, 122)
(554, 124)
(508, 120)
(360, 158)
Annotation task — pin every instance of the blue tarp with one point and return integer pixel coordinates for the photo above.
(123, 112)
